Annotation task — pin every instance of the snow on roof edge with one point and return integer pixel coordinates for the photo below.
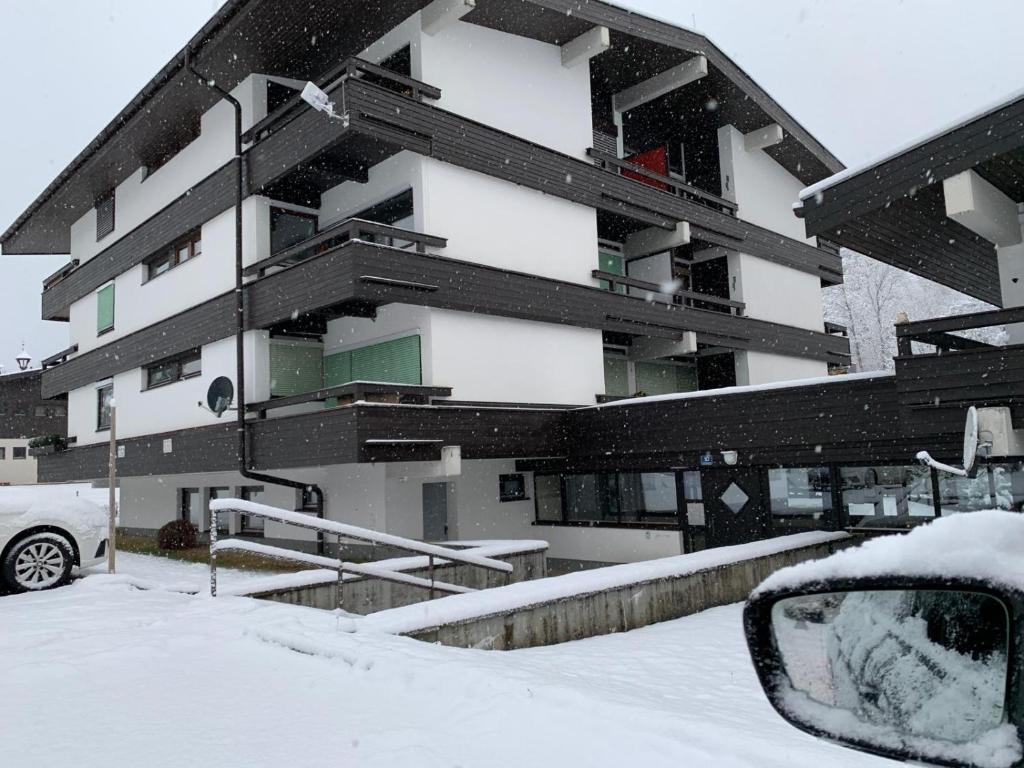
(912, 144)
(746, 388)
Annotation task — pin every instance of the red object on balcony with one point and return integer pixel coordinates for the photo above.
(655, 160)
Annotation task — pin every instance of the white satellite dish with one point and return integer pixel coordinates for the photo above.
(970, 449)
(971, 440)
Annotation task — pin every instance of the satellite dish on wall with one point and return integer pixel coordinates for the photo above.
(220, 395)
(970, 449)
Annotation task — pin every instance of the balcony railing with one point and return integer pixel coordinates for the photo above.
(356, 391)
(682, 298)
(670, 184)
(348, 69)
(60, 274)
(336, 234)
(941, 332)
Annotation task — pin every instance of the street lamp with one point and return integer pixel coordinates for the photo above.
(23, 359)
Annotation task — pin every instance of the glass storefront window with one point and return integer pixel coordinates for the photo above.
(608, 497)
(887, 496)
(999, 486)
(547, 489)
(800, 497)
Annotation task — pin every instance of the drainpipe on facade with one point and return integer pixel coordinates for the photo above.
(243, 460)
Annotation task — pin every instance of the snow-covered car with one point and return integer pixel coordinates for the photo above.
(906, 646)
(45, 532)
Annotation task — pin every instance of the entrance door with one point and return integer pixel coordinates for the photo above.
(435, 511)
(734, 505)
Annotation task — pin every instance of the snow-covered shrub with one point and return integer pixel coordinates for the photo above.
(177, 534)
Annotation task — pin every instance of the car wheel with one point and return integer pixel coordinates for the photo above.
(40, 561)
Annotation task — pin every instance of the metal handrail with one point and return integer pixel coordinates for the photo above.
(59, 357)
(60, 274)
(341, 531)
(676, 187)
(348, 229)
(686, 297)
(343, 567)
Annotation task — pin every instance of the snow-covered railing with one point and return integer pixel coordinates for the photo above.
(342, 531)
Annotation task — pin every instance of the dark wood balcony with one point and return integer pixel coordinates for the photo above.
(956, 371)
(358, 434)
(356, 277)
(355, 392)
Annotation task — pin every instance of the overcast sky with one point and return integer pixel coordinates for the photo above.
(862, 75)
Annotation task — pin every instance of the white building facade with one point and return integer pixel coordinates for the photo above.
(603, 224)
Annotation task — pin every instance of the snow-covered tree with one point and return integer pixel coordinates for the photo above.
(874, 294)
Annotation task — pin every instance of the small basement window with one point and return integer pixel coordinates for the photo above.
(511, 487)
(19, 452)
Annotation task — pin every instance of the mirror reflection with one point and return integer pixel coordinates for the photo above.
(926, 663)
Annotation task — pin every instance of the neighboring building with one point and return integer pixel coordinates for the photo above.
(24, 414)
(569, 204)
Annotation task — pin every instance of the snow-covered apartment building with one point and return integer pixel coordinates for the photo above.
(522, 214)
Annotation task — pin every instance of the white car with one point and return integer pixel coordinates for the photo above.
(45, 531)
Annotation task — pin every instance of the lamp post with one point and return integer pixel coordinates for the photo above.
(23, 359)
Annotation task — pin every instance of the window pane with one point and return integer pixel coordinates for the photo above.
(19, 452)
(192, 366)
(648, 497)
(197, 247)
(162, 374)
(584, 498)
(548, 492)
(887, 496)
(616, 375)
(183, 253)
(800, 498)
(103, 397)
(288, 228)
(965, 494)
(3, 453)
(160, 266)
(692, 487)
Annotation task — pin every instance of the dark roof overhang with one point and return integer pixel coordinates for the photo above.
(894, 210)
(304, 38)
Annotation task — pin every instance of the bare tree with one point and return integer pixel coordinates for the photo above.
(871, 297)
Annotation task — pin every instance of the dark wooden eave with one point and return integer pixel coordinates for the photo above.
(246, 36)
(894, 210)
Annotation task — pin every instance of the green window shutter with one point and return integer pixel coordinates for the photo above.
(105, 308)
(295, 368)
(396, 361)
(655, 378)
(616, 376)
(609, 261)
(337, 369)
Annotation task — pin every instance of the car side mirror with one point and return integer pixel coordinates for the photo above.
(911, 669)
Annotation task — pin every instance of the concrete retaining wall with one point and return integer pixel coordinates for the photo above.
(621, 608)
(361, 595)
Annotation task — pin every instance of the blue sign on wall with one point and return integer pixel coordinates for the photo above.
(706, 459)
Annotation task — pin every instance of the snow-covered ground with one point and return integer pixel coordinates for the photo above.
(154, 572)
(102, 673)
